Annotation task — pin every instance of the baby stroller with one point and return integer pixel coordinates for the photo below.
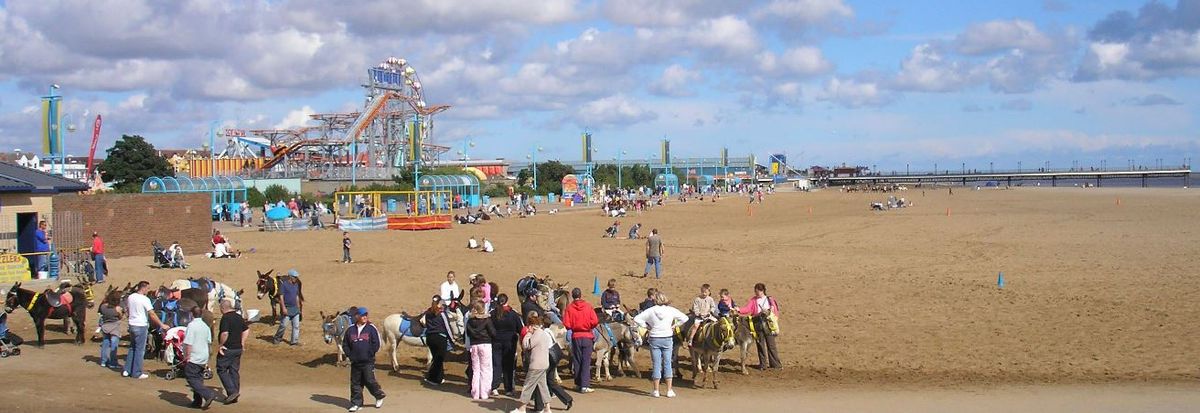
(173, 354)
(164, 258)
(10, 343)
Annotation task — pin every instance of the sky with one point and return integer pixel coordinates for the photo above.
(886, 84)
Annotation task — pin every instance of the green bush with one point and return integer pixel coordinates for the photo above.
(496, 191)
(255, 197)
(276, 193)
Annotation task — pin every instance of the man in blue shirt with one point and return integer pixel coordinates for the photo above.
(42, 246)
(293, 305)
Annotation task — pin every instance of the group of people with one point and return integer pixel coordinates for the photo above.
(485, 246)
(140, 316)
(221, 247)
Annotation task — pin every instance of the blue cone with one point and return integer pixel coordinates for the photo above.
(595, 285)
(1000, 280)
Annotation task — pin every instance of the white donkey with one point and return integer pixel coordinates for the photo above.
(398, 328)
(217, 291)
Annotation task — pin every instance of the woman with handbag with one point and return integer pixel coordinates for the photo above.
(765, 313)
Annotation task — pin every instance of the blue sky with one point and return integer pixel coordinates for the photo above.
(885, 83)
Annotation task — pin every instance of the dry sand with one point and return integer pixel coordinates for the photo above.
(882, 311)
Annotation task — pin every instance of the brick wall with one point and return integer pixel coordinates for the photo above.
(129, 222)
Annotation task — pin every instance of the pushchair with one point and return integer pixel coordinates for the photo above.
(10, 343)
(164, 258)
(173, 354)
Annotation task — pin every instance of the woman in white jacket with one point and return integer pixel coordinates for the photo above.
(661, 321)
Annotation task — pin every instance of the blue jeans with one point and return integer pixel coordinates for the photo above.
(660, 357)
(656, 262)
(137, 351)
(108, 350)
(294, 318)
(101, 267)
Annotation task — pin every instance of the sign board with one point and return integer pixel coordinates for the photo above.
(570, 184)
(13, 268)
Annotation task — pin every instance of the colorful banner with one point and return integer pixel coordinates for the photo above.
(406, 223)
(14, 268)
(92, 151)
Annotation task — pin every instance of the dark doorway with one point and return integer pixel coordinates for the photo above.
(27, 237)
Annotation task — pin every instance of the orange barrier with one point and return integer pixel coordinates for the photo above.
(225, 167)
(407, 223)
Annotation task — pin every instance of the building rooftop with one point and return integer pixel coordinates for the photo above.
(16, 178)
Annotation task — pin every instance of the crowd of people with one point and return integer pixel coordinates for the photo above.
(495, 331)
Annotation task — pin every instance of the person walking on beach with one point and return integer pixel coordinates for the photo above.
(580, 319)
(230, 336)
(141, 314)
(662, 319)
(482, 333)
(437, 336)
(346, 247)
(504, 347)
(196, 340)
(538, 341)
(765, 313)
(110, 329)
(360, 344)
(98, 256)
(654, 254)
(293, 306)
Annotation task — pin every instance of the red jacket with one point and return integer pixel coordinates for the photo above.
(581, 319)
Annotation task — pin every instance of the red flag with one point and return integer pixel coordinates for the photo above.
(92, 152)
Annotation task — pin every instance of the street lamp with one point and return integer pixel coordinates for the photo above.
(533, 157)
(467, 143)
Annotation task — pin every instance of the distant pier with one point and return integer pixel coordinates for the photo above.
(1009, 177)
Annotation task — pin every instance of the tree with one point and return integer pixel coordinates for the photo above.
(276, 193)
(130, 161)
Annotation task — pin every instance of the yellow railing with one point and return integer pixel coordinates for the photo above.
(357, 204)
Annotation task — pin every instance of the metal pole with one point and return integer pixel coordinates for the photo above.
(619, 182)
(212, 147)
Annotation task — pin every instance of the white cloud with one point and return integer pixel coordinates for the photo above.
(999, 35)
(851, 93)
(798, 61)
(676, 80)
(653, 13)
(616, 111)
(805, 11)
(926, 70)
(296, 118)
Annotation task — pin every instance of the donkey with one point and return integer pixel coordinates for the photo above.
(215, 292)
(402, 328)
(616, 339)
(49, 304)
(744, 335)
(268, 286)
(711, 340)
(333, 328)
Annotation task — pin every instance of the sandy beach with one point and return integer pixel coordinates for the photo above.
(881, 311)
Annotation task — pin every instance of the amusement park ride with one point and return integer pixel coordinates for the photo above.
(392, 132)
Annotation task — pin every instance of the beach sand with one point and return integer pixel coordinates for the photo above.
(880, 309)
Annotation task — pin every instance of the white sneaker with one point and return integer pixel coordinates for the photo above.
(586, 390)
(654, 393)
(378, 403)
(495, 393)
(353, 409)
(518, 410)
(143, 376)
(670, 393)
(124, 373)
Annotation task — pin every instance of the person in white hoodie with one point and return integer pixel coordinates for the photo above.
(661, 320)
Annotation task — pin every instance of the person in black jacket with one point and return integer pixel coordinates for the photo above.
(437, 336)
(360, 344)
(504, 348)
(482, 332)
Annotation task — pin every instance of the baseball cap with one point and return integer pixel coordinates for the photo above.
(362, 310)
(293, 273)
